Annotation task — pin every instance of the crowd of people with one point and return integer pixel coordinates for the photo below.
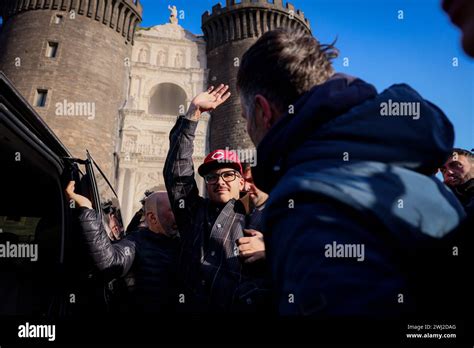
(334, 176)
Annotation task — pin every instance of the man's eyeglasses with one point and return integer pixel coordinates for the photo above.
(227, 176)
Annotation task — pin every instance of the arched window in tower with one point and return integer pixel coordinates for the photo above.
(58, 19)
(167, 99)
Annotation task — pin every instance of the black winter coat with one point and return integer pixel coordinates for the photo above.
(149, 256)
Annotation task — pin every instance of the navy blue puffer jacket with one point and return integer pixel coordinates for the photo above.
(352, 198)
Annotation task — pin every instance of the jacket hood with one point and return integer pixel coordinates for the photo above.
(346, 119)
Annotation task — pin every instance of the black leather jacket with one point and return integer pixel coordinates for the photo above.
(151, 257)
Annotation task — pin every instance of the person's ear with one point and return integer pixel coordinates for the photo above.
(151, 217)
(264, 110)
(246, 186)
(241, 183)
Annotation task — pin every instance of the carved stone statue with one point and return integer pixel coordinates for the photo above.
(178, 60)
(173, 15)
(143, 56)
(161, 58)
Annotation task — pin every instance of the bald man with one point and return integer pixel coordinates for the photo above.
(158, 214)
(150, 254)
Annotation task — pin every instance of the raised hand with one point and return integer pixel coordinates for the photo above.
(79, 200)
(208, 100)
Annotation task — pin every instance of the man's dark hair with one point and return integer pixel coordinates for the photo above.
(462, 152)
(108, 207)
(282, 65)
(146, 194)
(245, 166)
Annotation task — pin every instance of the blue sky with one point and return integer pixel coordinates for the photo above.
(382, 49)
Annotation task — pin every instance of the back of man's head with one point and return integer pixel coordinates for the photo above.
(282, 65)
(158, 213)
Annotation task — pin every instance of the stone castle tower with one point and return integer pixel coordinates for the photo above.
(229, 32)
(70, 60)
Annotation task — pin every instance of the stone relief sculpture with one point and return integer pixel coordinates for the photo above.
(143, 56)
(153, 178)
(161, 147)
(178, 60)
(161, 58)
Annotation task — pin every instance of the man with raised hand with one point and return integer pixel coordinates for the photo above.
(214, 277)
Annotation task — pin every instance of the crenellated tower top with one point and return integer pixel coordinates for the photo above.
(247, 19)
(120, 15)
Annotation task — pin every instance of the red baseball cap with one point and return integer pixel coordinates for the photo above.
(220, 159)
